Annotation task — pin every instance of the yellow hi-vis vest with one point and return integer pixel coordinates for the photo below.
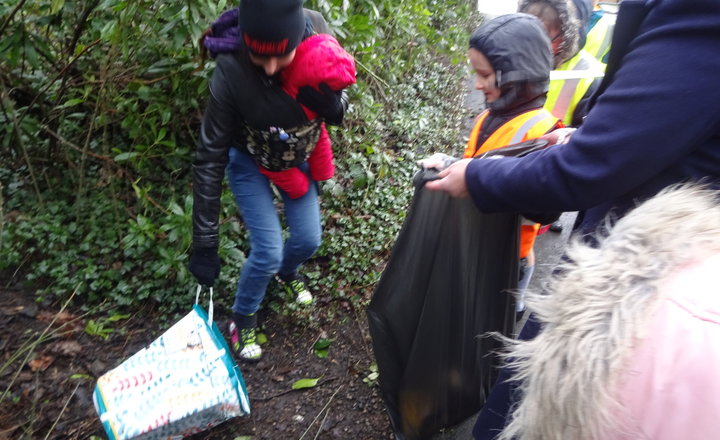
(600, 36)
(525, 126)
(564, 94)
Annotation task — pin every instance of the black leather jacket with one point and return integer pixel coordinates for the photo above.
(240, 94)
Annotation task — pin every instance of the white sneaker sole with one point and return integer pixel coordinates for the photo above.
(304, 298)
(251, 352)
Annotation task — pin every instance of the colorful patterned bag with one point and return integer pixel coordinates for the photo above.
(184, 382)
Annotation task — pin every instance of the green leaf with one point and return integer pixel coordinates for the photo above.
(143, 93)
(80, 376)
(321, 347)
(56, 6)
(322, 354)
(305, 383)
(118, 317)
(73, 102)
(125, 156)
(261, 338)
(176, 209)
(323, 343)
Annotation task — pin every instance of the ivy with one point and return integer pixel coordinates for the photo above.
(100, 106)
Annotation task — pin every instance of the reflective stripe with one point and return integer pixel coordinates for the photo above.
(600, 36)
(525, 128)
(564, 95)
(562, 75)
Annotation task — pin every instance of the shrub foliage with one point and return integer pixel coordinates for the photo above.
(100, 104)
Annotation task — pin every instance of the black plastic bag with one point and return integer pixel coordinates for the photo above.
(447, 284)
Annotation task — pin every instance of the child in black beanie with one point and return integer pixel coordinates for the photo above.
(250, 121)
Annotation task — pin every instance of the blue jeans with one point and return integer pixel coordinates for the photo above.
(269, 255)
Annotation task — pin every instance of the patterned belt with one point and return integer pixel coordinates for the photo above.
(280, 149)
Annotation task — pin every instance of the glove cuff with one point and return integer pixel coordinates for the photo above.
(205, 252)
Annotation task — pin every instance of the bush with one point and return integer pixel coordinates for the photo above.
(99, 110)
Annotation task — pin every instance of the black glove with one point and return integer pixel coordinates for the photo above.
(205, 265)
(326, 102)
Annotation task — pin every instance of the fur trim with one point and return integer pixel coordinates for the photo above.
(597, 306)
(569, 27)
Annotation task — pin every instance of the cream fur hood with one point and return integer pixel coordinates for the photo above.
(610, 331)
(569, 26)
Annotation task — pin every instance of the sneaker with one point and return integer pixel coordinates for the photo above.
(296, 288)
(556, 226)
(244, 342)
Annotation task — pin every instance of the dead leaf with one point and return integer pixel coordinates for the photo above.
(67, 348)
(283, 369)
(41, 363)
(62, 317)
(28, 310)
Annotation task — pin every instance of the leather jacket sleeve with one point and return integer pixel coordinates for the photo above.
(216, 136)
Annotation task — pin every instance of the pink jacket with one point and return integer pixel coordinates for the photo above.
(630, 342)
(672, 389)
(319, 58)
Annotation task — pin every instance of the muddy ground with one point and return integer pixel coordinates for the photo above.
(49, 364)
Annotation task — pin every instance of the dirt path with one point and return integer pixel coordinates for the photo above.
(50, 364)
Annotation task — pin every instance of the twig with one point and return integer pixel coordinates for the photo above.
(82, 21)
(85, 150)
(22, 263)
(372, 73)
(107, 159)
(11, 15)
(321, 411)
(76, 147)
(57, 77)
(360, 329)
(2, 218)
(21, 142)
(61, 411)
(312, 345)
(323, 420)
(35, 344)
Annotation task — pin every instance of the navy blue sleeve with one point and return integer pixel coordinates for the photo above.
(659, 116)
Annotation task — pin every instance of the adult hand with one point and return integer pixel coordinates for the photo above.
(559, 136)
(326, 102)
(452, 180)
(205, 265)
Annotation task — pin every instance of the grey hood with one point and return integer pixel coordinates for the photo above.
(518, 48)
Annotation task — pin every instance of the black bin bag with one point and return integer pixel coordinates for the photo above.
(447, 283)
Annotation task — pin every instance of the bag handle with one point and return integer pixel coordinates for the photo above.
(210, 303)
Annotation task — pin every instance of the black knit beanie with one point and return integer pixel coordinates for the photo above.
(272, 27)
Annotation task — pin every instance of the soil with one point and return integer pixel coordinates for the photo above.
(49, 366)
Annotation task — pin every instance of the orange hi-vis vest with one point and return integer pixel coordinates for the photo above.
(525, 126)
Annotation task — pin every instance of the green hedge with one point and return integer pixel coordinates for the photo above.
(100, 104)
